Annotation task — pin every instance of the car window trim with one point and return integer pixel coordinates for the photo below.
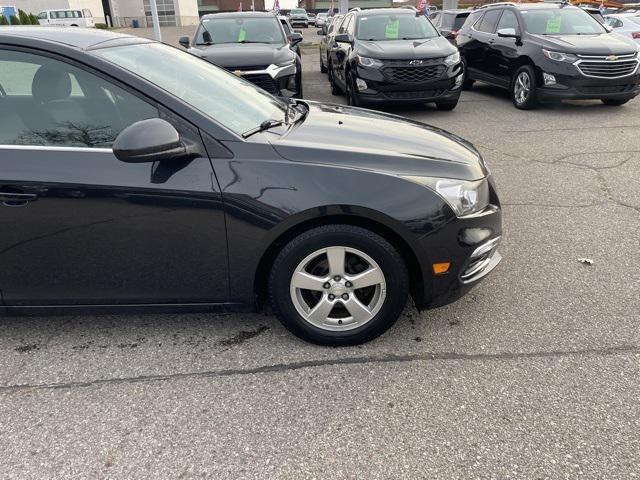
(52, 148)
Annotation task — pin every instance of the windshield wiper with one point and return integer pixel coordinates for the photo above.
(266, 125)
(205, 43)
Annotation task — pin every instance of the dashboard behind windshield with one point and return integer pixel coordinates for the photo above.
(240, 30)
(561, 21)
(395, 27)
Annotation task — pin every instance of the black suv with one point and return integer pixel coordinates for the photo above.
(545, 52)
(449, 22)
(253, 45)
(394, 55)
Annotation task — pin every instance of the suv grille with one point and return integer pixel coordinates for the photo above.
(602, 67)
(263, 81)
(414, 74)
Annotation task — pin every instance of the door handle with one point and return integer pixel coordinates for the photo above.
(11, 199)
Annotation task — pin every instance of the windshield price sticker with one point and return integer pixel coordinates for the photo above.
(391, 30)
(553, 24)
(242, 34)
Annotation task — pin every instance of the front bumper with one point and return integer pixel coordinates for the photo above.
(470, 244)
(299, 21)
(572, 83)
(446, 87)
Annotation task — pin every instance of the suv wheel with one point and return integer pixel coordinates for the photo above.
(323, 67)
(615, 102)
(335, 89)
(467, 83)
(338, 285)
(352, 94)
(523, 88)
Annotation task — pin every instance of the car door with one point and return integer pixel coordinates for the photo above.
(502, 52)
(484, 36)
(80, 227)
(342, 50)
(467, 41)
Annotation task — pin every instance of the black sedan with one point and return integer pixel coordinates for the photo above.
(134, 176)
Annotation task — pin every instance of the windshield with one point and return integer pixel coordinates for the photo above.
(323, 15)
(222, 96)
(240, 30)
(395, 27)
(561, 21)
(298, 11)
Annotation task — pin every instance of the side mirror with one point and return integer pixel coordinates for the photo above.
(150, 140)
(507, 33)
(344, 38)
(295, 39)
(184, 41)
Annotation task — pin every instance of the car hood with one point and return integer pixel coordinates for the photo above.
(357, 138)
(244, 54)
(603, 44)
(406, 49)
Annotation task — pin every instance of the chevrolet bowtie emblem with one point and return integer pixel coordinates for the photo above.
(415, 62)
(238, 73)
(612, 58)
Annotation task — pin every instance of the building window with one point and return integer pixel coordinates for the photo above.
(166, 12)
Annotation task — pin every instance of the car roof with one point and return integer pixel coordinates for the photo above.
(455, 11)
(385, 11)
(528, 6)
(210, 16)
(81, 38)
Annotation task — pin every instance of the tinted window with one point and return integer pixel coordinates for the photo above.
(561, 21)
(48, 102)
(395, 27)
(489, 21)
(472, 19)
(345, 24)
(508, 20)
(232, 101)
(42, 16)
(240, 30)
(459, 21)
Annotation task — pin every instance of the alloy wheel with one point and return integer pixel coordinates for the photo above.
(338, 288)
(522, 87)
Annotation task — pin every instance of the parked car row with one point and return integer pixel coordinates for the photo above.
(540, 52)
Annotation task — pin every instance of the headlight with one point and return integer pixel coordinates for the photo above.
(452, 59)
(369, 62)
(462, 196)
(559, 56)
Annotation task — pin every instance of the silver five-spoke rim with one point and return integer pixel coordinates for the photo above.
(522, 87)
(338, 288)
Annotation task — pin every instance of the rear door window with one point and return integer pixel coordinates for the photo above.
(489, 21)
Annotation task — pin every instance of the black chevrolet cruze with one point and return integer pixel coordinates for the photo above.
(393, 55)
(134, 176)
(547, 52)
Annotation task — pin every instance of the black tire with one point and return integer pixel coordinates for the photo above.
(298, 80)
(323, 67)
(529, 101)
(373, 245)
(446, 106)
(352, 92)
(335, 89)
(614, 102)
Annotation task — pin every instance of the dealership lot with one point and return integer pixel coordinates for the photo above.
(536, 373)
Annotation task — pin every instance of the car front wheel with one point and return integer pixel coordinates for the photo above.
(523, 88)
(338, 285)
(323, 67)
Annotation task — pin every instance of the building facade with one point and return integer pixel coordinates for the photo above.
(171, 13)
(37, 6)
(213, 6)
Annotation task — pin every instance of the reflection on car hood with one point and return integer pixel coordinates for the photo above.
(603, 44)
(244, 54)
(406, 49)
(358, 138)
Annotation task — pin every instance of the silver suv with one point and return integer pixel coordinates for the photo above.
(298, 16)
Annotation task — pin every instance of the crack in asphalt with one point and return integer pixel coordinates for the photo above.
(604, 186)
(287, 367)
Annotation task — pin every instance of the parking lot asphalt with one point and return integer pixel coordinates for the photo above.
(535, 374)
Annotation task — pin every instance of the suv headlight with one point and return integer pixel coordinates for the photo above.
(369, 62)
(452, 59)
(559, 56)
(463, 197)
